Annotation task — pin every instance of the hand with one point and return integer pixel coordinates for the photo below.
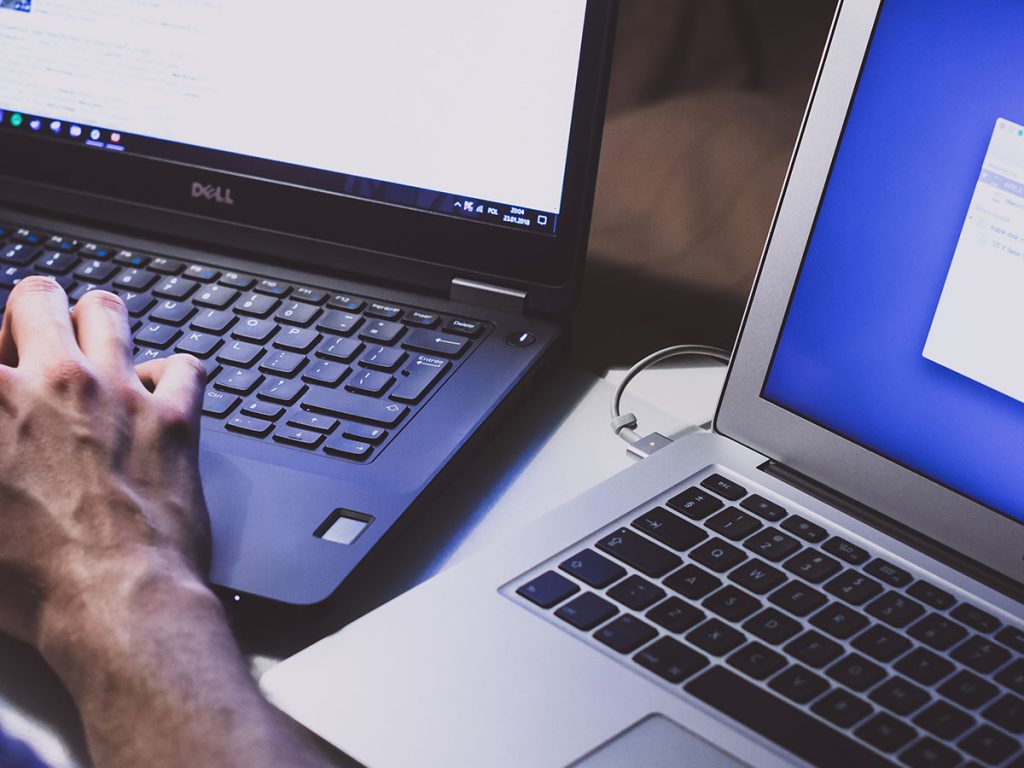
(100, 496)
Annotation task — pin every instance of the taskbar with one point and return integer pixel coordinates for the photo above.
(118, 142)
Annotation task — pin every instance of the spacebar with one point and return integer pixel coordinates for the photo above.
(779, 722)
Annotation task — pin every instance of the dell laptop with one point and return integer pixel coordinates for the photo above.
(835, 575)
(367, 219)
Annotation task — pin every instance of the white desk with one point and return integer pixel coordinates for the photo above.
(558, 445)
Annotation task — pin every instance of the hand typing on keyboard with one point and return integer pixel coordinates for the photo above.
(104, 540)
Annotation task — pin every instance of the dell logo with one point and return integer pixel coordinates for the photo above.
(221, 195)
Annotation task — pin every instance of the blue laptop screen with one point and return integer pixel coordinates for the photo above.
(906, 329)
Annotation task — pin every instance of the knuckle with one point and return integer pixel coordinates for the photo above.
(196, 368)
(71, 375)
(177, 421)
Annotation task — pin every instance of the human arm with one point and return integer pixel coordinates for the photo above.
(104, 540)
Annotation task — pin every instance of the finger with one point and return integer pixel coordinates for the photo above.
(178, 381)
(37, 325)
(101, 325)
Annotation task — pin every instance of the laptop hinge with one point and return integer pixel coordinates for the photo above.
(894, 529)
(486, 295)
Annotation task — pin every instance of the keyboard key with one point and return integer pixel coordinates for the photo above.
(165, 266)
(1007, 712)
(840, 621)
(131, 259)
(469, 328)
(732, 604)
(298, 438)
(636, 593)
(312, 421)
(364, 433)
(931, 595)
(202, 345)
(282, 363)
(343, 404)
(172, 312)
(255, 331)
(239, 380)
(219, 404)
(888, 573)
(639, 553)
(757, 576)
(326, 373)
(297, 313)
(989, 745)
(385, 332)
(157, 335)
(718, 555)
(176, 288)
(30, 236)
(347, 303)
(772, 545)
(201, 273)
(761, 507)
(853, 587)
(146, 354)
(899, 696)
(592, 569)
(693, 582)
(240, 354)
(757, 660)
(669, 529)
(895, 609)
(273, 288)
(626, 634)
(548, 589)
(924, 666)
(724, 487)
(256, 305)
(57, 263)
(137, 304)
(136, 279)
(944, 720)
(886, 733)
(981, 655)
(215, 296)
(812, 566)
(385, 311)
(235, 280)
(968, 690)
(339, 349)
(421, 319)
(805, 529)
(928, 753)
(284, 391)
(18, 255)
(61, 243)
(434, 343)
(938, 632)
(671, 660)
(695, 503)
(337, 322)
(881, 643)
(733, 524)
(791, 728)
(250, 426)
(418, 378)
(842, 708)
(348, 449)
(94, 271)
(799, 684)
(586, 611)
(309, 295)
(259, 409)
(213, 321)
(814, 649)
(675, 615)
(1012, 676)
(772, 626)
(975, 618)
(798, 599)
(856, 672)
(372, 383)
(299, 340)
(716, 637)
(97, 251)
(846, 551)
(11, 276)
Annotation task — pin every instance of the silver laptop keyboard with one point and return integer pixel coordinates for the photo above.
(302, 367)
(816, 643)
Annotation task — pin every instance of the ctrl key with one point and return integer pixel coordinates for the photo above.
(671, 660)
(548, 589)
(586, 611)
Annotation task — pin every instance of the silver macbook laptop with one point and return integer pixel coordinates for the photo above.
(834, 576)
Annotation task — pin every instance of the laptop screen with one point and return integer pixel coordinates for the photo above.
(459, 109)
(905, 332)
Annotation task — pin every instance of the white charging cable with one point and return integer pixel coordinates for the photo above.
(625, 424)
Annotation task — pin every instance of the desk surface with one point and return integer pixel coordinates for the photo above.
(559, 445)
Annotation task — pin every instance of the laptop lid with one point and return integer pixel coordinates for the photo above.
(882, 350)
(398, 139)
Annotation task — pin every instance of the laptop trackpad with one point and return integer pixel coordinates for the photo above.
(657, 742)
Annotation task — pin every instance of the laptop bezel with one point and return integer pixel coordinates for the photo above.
(319, 229)
(917, 503)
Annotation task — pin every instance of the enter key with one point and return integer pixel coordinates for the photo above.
(418, 377)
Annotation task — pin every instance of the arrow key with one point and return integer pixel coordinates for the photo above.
(436, 343)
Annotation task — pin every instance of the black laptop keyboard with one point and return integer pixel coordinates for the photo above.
(304, 367)
(816, 643)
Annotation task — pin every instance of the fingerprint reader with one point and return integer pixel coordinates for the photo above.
(344, 527)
